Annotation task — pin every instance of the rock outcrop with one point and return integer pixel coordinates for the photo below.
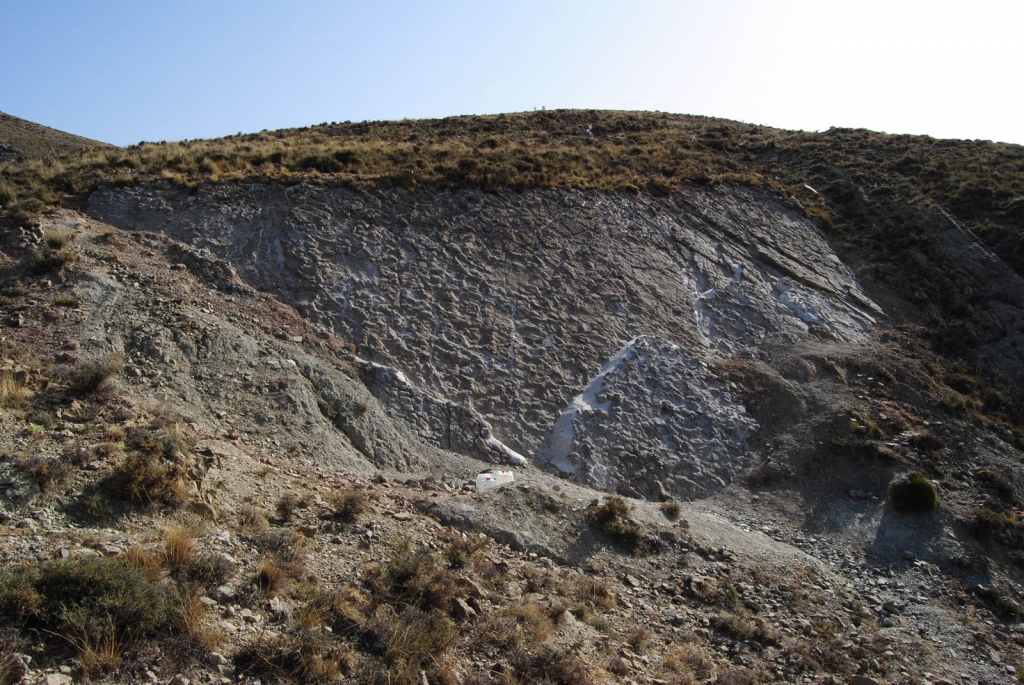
(508, 305)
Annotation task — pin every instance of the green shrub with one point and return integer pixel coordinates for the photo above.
(913, 493)
(91, 601)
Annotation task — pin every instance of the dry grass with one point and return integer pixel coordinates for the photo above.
(252, 518)
(56, 238)
(49, 473)
(191, 621)
(13, 394)
(179, 547)
(89, 376)
(348, 504)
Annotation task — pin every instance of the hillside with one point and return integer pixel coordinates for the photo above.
(759, 391)
(24, 139)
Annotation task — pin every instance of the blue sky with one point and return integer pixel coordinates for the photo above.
(129, 71)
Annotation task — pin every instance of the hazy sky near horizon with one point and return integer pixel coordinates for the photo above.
(122, 71)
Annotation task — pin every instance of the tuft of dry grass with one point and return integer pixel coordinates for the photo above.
(252, 518)
(56, 238)
(179, 548)
(13, 393)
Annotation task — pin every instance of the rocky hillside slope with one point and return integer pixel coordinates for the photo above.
(242, 421)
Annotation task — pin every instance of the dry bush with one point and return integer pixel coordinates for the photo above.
(411, 578)
(49, 473)
(549, 665)
(286, 506)
(460, 548)
(114, 434)
(56, 238)
(690, 660)
(47, 260)
(639, 638)
(407, 641)
(348, 504)
(145, 478)
(593, 593)
(89, 376)
(252, 518)
(344, 611)
(672, 509)
(614, 518)
(179, 547)
(303, 656)
(12, 667)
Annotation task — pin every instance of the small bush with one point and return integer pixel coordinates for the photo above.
(66, 300)
(550, 665)
(460, 548)
(252, 518)
(408, 642)
(89, 376)
(56, 238)
(286, 506)
(52, 260)
(179, 548)
(49, 473)
(142, 478)
(412, 579)
(305, 656)
(613, 518)
(914, 493)
(347, 505)
(8, 195)
(672, 510)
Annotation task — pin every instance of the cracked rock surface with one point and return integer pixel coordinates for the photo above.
(508, 305)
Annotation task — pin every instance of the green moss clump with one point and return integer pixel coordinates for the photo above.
(913, 493)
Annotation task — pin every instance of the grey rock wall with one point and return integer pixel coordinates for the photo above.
(507, 306)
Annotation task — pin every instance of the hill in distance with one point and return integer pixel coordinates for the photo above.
(25, 139)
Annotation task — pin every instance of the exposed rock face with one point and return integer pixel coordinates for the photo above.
(508, 305)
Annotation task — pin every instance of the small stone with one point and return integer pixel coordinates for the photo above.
(862, 680)
(402, 516)
(216, 659)
(249, 617)
(463, 611)
(632, 581)
(208, 601)
(224, 593)
(57, 679)
(909, 556)
(567, 620)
